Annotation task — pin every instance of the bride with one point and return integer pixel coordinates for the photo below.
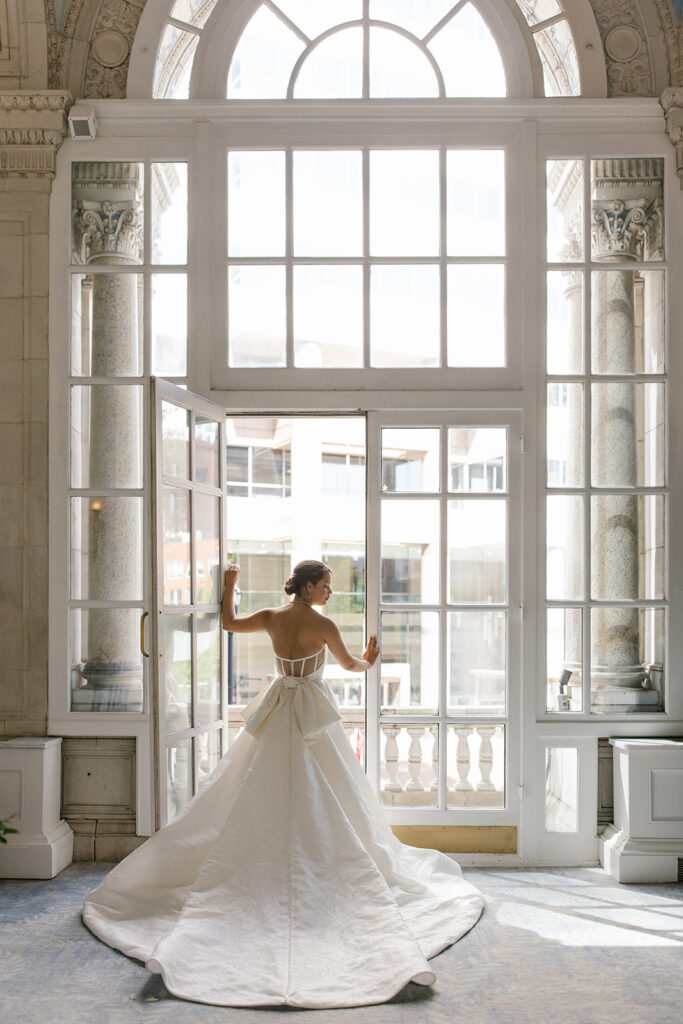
(281, 881)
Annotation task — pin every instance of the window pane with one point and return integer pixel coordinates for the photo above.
(477, 551)
(564, 426)
(565, 210)
(410, 661)
(404, 202)
(561, 789)
(628, 325)
(476, 202)
(328, 209)
(409, 765)
(468, 56)
(169, 325)
(564, 532)
(207, 548)
(178, 777)
(256, 316)
(628, 648)
(476, 765)
(334, 69)
(477, 459)
(173, 68)
(627, 209)
(177, 649)
(410, 551)
(564, 658)
(346, 559)
(476, 662)
(169, 213)
(476, 315)
(106, 436)
(256, 203)
(415, 15)
(404, 316)
(314, 18)
(410, 459)
(177, 581)
(565, 321)
(556, 49)
(263, 59)
(106, 325)
(328, 316)
(106, 549)
(106, 664)
(208, 745)
(175, 441)
(627, 546)
(398, 67)
(194, 12)
(208, 669)
(206, 451)
(627, 435)
(536, 11)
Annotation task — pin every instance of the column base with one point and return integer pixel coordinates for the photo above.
(104, 698)
(618, 698)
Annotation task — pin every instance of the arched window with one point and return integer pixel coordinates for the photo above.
(376, 49)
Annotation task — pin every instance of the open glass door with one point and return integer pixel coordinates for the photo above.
(187, 640)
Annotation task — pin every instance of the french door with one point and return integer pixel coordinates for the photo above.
(188, 643)
(444, 566)
(443, 592)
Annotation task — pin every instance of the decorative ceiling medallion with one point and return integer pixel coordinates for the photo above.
(110, 48)
(622, 43)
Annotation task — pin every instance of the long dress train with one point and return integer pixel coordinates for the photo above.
(281, 881)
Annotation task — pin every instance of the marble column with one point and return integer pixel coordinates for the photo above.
(626, 227)
(108, 230)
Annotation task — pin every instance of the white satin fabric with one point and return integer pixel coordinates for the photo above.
(281, 882)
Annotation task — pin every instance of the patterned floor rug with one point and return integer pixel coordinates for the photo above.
(554, 946)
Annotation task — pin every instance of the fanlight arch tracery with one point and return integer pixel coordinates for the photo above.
(359, 49)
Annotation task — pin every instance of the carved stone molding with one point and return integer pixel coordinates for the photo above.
(106, 73)
(107, 218)
(672, 102)
(626, 54)
(32, 127)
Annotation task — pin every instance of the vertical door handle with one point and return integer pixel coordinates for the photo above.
(143, 645)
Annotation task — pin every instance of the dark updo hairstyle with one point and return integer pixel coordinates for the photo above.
(308, 571)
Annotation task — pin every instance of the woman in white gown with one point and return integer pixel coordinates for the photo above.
(281, 881)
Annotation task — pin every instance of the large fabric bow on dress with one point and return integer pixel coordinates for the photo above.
(312, 707)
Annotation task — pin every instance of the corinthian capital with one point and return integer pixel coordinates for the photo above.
(627, 229)
(107, 230)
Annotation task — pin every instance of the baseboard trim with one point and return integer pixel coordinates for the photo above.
(498, 839)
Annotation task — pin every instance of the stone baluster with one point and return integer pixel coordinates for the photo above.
(391, 758)
(435, 758)
(415, 757)
(486, 733)
(462, 756)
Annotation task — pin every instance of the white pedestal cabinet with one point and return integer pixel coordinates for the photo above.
(645, 843)
(30, 785)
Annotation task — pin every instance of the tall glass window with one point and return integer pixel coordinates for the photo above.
(606, 437)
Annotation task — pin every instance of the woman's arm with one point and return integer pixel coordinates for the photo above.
(234, 623)
(343, 655)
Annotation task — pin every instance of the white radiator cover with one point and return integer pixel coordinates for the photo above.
(645, 842)
(30, 789)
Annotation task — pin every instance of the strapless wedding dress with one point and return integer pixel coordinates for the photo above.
(281, 881)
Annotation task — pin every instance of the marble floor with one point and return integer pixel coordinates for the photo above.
(554, 946)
